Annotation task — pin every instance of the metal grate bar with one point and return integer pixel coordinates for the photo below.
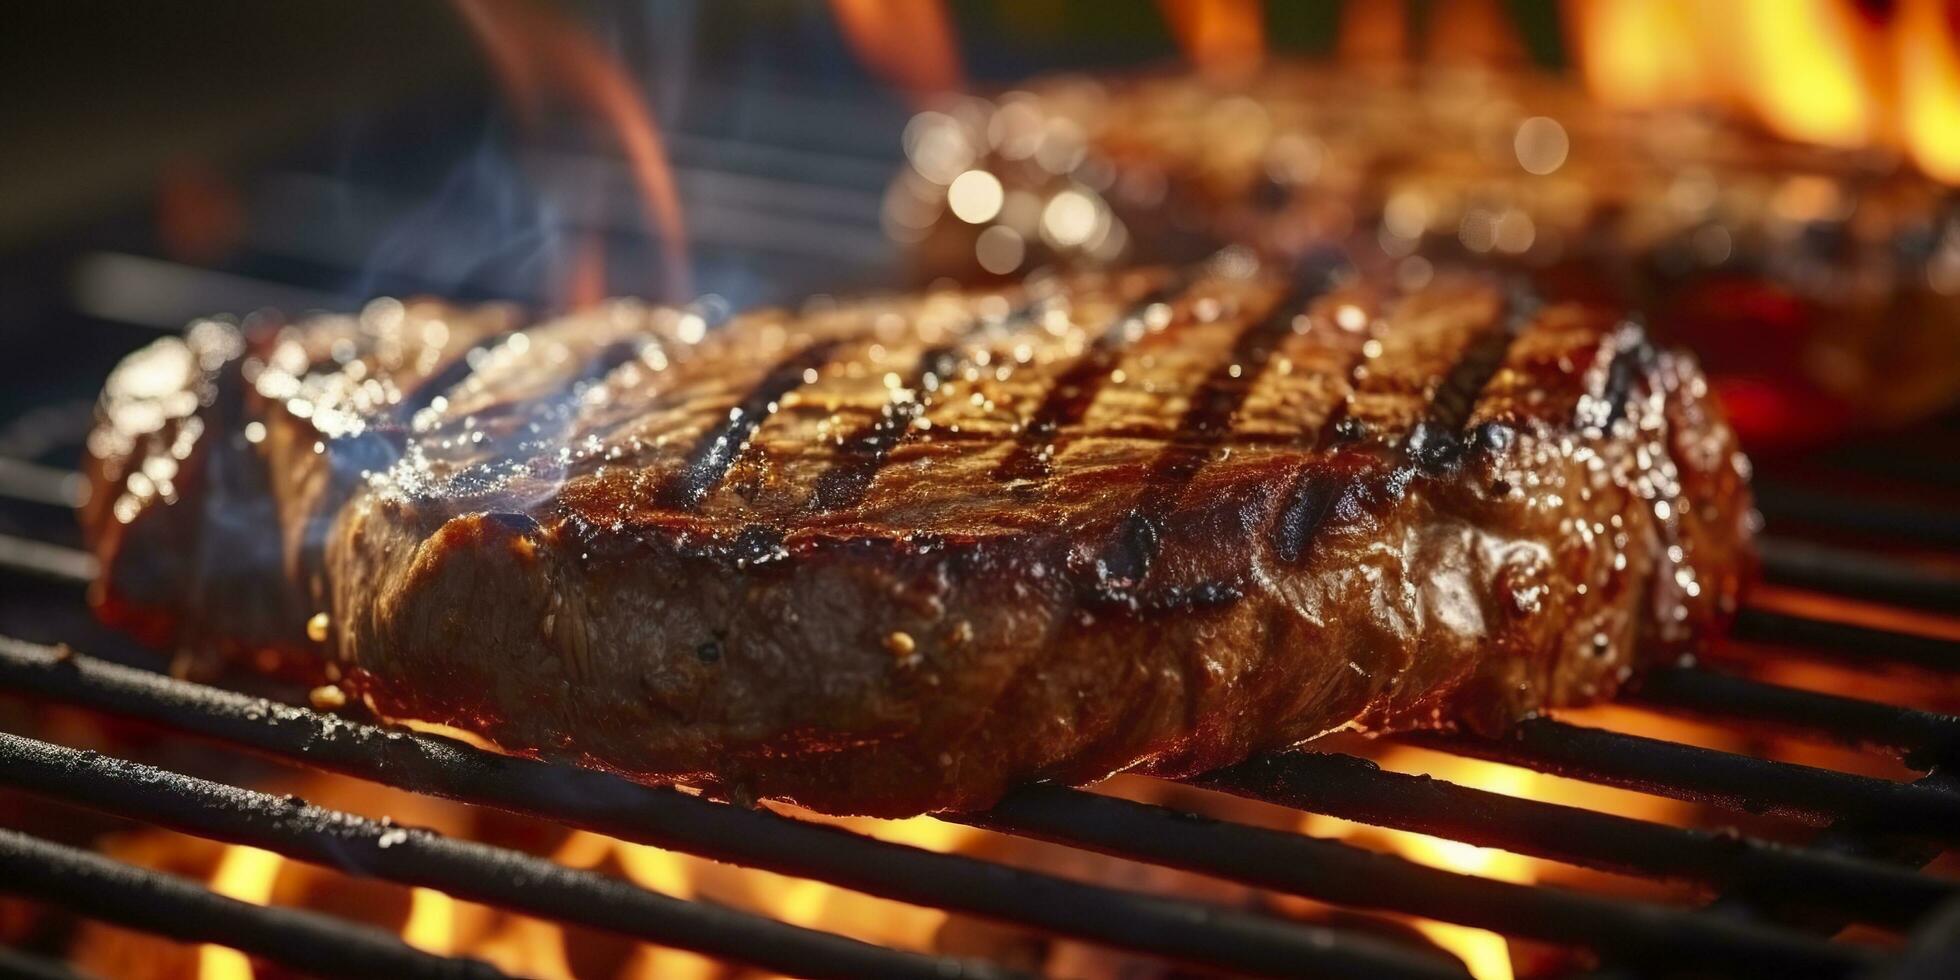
(1856, 574)
(1842, 511)
(1933, 953)
(1736, 782)
(1922, 737)
(27, 966)
(1343, 874)
(1861, 645)
(1178, 929)
(46, 561)
(1357, 789)
(95, 886)
(465, 869)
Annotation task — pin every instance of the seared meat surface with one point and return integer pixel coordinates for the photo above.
(899, 555)
(1816, 284)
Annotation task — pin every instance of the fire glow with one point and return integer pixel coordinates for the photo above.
(1814, 71)
(538, 52)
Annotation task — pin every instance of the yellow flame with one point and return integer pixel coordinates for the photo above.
(1929, 87)
(527, 947)
(1486, 954)
(1640, 53)
(247, 874)
(431, 922)
(1800, 70)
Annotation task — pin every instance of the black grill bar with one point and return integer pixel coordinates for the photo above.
(1346, 875)
(1860, 645)
(1855, 513)
(27, 966)
(92, 885)
(1178, 929)
(465, 869)
(1357, 789)
(1857, 574)
(1922, 737)
(1934, 950)
(1736, 782)
(1851, 839)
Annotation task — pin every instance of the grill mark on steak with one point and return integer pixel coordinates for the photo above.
(1127, 558)
(867, 448)
(459, 368)
(939, 650)
(1320, 491)
(1631, 359)
(1075, 390)
(1438, 440)
(716, 451)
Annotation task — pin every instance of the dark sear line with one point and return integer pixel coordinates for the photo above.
(1435, 442)
(715, 453)
(1631, 359)
(1206, 424)
(1075, 390)
(867, 448)
(1438, 440)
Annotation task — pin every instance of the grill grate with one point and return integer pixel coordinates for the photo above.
(1846, 886)
(1777, 905)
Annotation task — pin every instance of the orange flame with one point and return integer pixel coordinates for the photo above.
(1929, 87)
(1475, 32)
(1373, 32)
(1805, 68)
(909, 43)
(1801, 72)
(535, 50)
(246, 874)
(585, 283)
(1225, 39)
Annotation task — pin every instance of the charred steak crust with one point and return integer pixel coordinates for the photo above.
(899, 555)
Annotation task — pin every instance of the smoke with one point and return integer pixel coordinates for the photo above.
(487, 230)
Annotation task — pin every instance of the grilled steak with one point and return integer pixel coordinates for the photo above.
(899, 555)
(1816, 284)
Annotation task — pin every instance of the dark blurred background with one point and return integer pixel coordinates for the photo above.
(172, 160)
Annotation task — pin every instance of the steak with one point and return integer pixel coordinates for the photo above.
(1816, 284)
(898, 555)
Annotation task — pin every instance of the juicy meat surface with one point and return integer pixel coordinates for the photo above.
(899, 555)
(1816, 284)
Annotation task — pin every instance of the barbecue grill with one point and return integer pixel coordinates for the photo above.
(1849, 525)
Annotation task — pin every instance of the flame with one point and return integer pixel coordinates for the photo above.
(1804, 68)
(535, 50)
(585, 283)
(1373, 32)
(246, 874)
(1486, 954)
(1800, 70)
(1639, 53)
(1929, 87)
(431, 922)
(909, 43)
(1475, 32)
(1225, 39)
